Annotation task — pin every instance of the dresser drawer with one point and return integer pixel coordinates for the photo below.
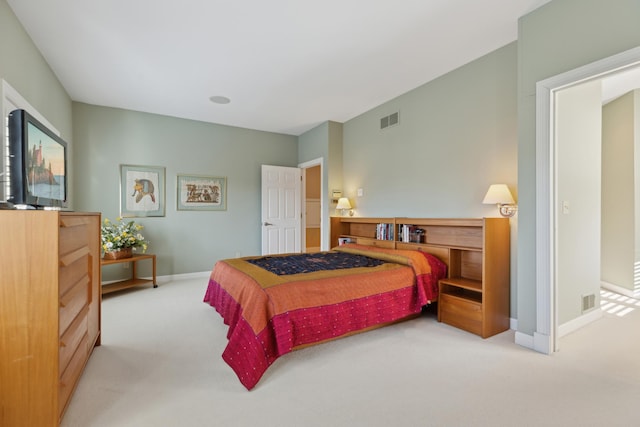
(70, 376)
(72, 302)
(460, 312)
(73, 234)
(69, 275)
(72, 337)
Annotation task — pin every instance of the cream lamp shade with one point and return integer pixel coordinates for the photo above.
(499, 194)
(344, 205)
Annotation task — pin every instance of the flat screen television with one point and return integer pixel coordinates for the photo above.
(37, 164)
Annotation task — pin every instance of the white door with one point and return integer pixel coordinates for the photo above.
(281, 209)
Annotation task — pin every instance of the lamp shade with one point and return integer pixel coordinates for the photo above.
(498, 194)
(343, 203)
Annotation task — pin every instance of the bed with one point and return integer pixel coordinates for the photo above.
(276, 304)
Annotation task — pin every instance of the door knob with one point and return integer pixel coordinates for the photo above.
(267, 224)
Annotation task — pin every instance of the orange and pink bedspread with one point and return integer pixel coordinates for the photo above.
(269, 314)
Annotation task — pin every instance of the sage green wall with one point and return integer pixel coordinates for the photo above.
(556, 38)
(25, 69)
(456, 136)
(184, 241)
(335, 165)
(314, 143)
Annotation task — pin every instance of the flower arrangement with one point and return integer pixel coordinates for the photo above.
(121, 235)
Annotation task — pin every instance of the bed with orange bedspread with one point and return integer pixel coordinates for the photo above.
(271, 312)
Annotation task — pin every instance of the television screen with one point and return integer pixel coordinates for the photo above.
(37, 163)
(45, 165)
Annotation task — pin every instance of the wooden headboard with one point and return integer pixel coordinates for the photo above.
(459, 242)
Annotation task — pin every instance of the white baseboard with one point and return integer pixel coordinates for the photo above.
(575, 324)
(619, 290)
(524, 340)
(542, 343)
(187, 276)
(538, 342)
(165, 279)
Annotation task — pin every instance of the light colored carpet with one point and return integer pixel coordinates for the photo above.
(160, 365)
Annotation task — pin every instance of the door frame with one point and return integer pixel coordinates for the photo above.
(545, 337)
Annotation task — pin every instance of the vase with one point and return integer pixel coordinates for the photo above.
(119, 254)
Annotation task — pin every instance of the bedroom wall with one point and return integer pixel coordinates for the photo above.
(456, 136)
(26, 70)
(184, 241)
(560, 36)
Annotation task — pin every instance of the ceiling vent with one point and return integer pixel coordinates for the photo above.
(390, 120)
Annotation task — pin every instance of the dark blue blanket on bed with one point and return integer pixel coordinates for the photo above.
(307, 263)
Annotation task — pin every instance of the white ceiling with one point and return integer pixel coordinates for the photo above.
(286, 65)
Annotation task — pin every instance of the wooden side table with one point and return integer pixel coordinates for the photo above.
(134, 281)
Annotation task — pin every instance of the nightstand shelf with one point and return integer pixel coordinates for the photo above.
(134, 280)
(461, 283)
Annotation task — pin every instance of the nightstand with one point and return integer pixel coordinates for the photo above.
(134, 280)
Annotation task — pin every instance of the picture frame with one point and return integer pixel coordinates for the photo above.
(201, 193)
(142, 191)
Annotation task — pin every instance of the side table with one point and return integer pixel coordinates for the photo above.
(134, 280)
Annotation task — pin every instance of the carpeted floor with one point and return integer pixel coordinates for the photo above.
(160, 365)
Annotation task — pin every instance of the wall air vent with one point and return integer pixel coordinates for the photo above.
(588, 302)
(390, 120)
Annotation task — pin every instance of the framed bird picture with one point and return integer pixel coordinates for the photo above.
(142, 191)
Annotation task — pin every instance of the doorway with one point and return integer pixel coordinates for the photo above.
(312, 209)
(548, 206)
(314, 201)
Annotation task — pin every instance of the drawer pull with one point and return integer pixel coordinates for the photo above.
(83, 280)
(72, 302)
(67, 222)
(72, 257)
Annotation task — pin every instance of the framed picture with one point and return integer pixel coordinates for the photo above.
(202, 193)
(141, 191)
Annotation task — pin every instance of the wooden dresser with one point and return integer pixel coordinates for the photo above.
(49, 311)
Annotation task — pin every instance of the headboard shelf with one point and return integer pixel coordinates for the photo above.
(462, 233)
